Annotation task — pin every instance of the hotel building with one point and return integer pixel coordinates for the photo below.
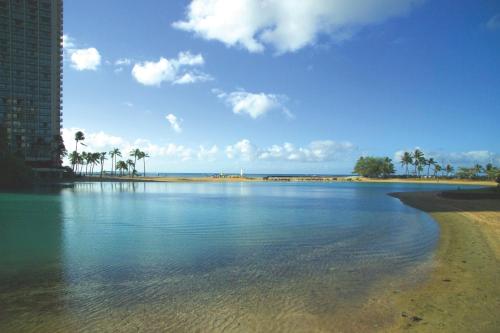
(31, 78)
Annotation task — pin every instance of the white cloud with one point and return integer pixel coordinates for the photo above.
(85, 59)
(286, 25)
(316, 151)
(243, 150)
(192, 77)
(151, 73)
(494, 22)
(123, 62)
(81, 58)
(207, 154)
(253, 104)
(104, 142)
(188, 59)
(175, 123)
(68, 42)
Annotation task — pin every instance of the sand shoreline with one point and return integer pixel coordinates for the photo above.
(462, 293)
(297, 179)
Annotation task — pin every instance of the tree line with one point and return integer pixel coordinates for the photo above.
(416, 164)
(84, 163)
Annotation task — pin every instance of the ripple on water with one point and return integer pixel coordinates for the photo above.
(202, 257)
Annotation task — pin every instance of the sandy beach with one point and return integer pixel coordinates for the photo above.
(236, 179)
(462, 293)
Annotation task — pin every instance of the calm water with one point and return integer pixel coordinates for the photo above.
(202, 257)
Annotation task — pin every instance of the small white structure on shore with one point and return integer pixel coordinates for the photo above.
(241, 172)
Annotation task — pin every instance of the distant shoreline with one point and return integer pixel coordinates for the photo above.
(462, 292)
(319, 179)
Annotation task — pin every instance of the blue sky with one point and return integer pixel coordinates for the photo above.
(283, 86)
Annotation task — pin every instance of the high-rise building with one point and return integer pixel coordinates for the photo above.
(31, 77)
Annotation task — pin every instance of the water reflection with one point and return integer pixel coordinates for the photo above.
(200, 256)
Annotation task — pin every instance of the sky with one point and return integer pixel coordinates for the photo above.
(276, 86)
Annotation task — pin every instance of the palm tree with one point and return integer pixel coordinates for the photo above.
(406, 160)
(448, 169)
(387, 167)
(114, 153)
(478, 169)
(94, 159)
(418, 159)
(79, 136)
(80, 162)
(437, 169)
(135, 153)
(84, 160)
(143, 156)
(73, 159)
(130, 165)
(102, 157)
(491, 171)
(429, 162)
(121, 165)
(420, 168)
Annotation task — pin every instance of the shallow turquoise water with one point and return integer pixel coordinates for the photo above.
(203, 256)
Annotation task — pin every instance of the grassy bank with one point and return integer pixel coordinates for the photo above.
(463, 291)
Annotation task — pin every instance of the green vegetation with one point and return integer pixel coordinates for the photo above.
(122, 166)
(59, 149)
(15, 173)
(79, 136)
(142, 156)
(84, 163)
(374, 167)
(418, 160)
(114, 154)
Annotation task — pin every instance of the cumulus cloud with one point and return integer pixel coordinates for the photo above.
(254, 105)
(81, 59)
(207, 154)
(103, 142)
(316, 151)
(286, 25)
(493, 23)
(188, 59)
(243, 150)
(175, 122)
(192, 77)
(152, 73)
(176, 71)
(85, 59)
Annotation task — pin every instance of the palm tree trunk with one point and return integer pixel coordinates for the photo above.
(144, 164)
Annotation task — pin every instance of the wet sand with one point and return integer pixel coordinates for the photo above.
(463, 290)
